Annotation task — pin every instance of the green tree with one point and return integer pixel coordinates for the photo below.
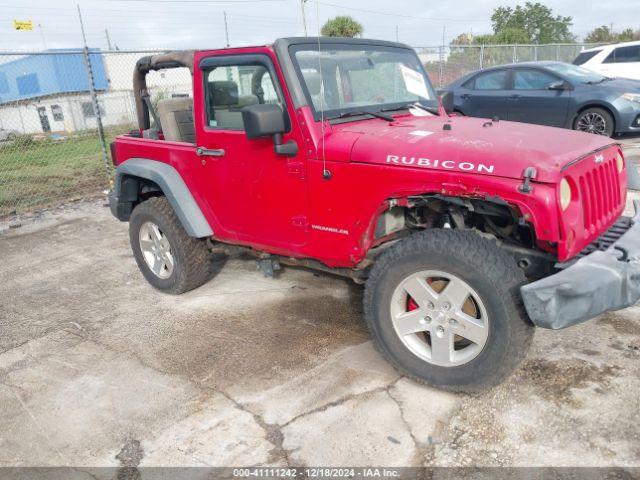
(599, 35)
(341, 26)
(534, 22)
(603, 34)
(463, 39)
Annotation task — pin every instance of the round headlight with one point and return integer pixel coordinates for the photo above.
(619, 162)
(565, 194)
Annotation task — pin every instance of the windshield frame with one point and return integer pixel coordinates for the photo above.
(334, 114)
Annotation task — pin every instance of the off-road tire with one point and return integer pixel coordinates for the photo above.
(608, 119)
(192, 257)
(492, 272)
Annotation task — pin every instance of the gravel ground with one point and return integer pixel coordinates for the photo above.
(99, 369)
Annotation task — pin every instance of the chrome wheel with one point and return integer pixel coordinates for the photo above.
(440, 318)
(592, 122)
(156, 250)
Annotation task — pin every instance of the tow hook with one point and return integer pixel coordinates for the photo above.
(529, 174)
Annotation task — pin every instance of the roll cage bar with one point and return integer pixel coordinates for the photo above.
(152, 63)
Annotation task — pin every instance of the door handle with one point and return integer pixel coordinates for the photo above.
(465, 96)
(209, 152)
(514, 97)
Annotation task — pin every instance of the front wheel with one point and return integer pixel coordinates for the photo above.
(444, 307)
(595, 120)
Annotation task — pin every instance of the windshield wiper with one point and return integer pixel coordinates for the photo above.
(433, 110)
(594, 82)
(382, 116)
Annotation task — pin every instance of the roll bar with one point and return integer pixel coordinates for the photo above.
(176, 59)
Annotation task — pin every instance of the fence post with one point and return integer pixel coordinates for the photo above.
(96, 109)
(441, 66)
(94, 97)
(515, 53)
(481, 56)
(535, 52)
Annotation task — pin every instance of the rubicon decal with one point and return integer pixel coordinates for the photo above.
(443, 164)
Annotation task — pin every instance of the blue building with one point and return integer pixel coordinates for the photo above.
(56, 72)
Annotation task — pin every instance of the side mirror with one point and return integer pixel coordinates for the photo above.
(559, 85)
(447, 101)
(264, 120)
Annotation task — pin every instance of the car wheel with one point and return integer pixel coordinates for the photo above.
(169, 259)
(444, 307)
(595, 120)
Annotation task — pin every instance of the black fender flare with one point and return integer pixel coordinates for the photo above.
(173, 188)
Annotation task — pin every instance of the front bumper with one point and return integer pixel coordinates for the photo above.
(599, 282)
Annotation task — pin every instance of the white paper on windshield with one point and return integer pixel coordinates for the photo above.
(414, 82)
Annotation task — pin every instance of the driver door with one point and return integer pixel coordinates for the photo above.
(257, 196)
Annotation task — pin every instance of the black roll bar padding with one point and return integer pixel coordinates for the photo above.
(156, 119)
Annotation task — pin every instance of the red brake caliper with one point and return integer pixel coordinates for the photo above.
(411, 304)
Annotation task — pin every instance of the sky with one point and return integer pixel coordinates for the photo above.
(176, 24)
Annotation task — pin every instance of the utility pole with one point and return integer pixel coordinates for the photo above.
(94, 96)
(441, 72)
(304, 17)
(44, 42)
(106, 32)
(226, 28)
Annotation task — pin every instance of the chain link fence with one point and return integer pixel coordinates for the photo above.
(58, 111)
(60, 108)
(448, 63)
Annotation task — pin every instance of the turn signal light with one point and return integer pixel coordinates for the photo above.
(565, 194)
(619, 162)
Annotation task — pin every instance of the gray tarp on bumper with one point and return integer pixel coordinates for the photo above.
(597, 283)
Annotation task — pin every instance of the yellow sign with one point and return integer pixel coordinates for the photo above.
(23, 24)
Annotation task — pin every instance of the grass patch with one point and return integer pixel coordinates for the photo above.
(36, 173)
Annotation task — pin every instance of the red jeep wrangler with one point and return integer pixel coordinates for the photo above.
(335, 154)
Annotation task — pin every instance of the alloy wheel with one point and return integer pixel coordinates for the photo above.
(156, 250)
(592, 122)
(440, 318)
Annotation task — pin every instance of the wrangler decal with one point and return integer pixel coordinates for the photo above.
(445, 164)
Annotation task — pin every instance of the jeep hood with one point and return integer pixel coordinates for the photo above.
(472, 145)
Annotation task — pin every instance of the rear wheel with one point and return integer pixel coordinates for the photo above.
(444, 307)
(595, 120)
(169, 259)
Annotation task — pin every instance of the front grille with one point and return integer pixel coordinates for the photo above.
(608, 238)
(600, 192)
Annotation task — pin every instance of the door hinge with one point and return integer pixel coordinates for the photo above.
(299, 221)
(296, 168)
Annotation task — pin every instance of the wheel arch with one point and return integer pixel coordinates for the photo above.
(136, 173)
(595, 104)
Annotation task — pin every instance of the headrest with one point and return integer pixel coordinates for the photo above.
(177, 104)
(245, 100)
(224, 93)
(313, 81)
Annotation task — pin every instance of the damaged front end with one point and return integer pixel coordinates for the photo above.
(606, 278)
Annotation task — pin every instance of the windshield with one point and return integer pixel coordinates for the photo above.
(341, 79)
(575, 73)
(584, 57)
